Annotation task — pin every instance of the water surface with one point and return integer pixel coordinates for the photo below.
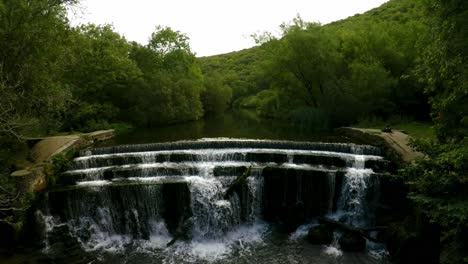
(237, 124)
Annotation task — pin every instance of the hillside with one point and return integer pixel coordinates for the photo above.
(385, 36)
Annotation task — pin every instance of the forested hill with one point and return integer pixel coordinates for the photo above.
(401, 11)
(364, 63)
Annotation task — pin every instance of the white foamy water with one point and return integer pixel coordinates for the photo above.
(223, 154)
(301, 232)
(205, 169)
(94, 183)
(353, 196)
(333, 251)
(210, 250)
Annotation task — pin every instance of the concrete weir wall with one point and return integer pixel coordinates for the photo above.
(395, 144)
(33, 178)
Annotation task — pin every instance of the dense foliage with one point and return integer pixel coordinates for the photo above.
(85, 78)
(440, 180)
(335, 74)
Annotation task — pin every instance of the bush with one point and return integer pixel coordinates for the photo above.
(439, 185)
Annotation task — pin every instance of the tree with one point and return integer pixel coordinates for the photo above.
(444, 68)
(309, 56)
(216, 95)
(32, 97)
(101, 75)
(440, 180)
(31, 56)
(172, 80)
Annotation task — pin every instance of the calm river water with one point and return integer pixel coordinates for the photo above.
(239, 124)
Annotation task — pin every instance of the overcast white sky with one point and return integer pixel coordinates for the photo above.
(213, 26)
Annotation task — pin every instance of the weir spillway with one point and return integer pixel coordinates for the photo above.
(156, 193)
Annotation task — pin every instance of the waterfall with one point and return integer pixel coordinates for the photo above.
(145, 196)
(359, 193)
(354, 201)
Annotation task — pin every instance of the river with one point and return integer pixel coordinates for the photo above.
(237, 124)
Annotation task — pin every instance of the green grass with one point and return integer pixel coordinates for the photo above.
(412, 128)
(417, 130)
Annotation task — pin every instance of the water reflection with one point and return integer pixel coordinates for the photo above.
(238, 124)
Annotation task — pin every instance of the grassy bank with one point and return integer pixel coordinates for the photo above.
(412, 128)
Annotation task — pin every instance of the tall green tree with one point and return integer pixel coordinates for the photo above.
(308, 56)
(32, 95)
(173, 80)
(444, 67)
(440, 180)
(100, 74)
(31, 64)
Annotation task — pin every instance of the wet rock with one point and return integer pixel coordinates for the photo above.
(352, 242)
(320, 234)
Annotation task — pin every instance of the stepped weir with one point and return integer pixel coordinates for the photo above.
(171, 198)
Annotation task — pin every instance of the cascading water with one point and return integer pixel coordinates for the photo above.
(353, 203)
(355, 206)
(169, 200)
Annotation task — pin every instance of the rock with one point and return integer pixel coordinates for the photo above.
(352, 242)
(321, 234)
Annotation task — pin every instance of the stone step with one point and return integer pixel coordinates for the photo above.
(236, 143)
(218, 168)
(258, 156)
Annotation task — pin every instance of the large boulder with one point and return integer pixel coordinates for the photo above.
(320, 234)
(351, 241)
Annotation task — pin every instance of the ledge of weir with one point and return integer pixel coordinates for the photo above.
(394, 144)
